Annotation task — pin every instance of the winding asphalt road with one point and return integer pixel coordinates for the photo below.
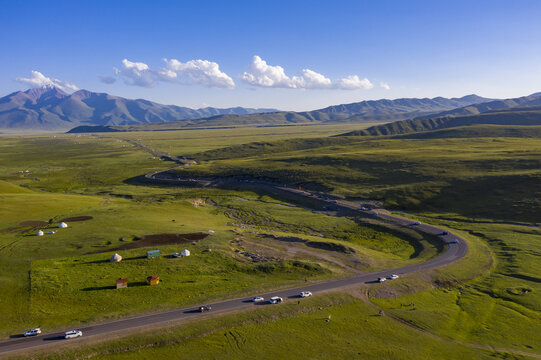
(451, 253)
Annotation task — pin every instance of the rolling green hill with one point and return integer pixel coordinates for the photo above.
(515, 116)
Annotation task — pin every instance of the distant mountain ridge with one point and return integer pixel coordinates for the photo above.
(364, 111)
(49, 108)
(520, 111)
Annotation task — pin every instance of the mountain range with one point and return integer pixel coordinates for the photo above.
(51, 109)
(524, 110)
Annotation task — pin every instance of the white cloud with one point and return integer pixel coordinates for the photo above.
(353, 82)
(264, 75)
(193, 72)
(201, 72)
(309, 79)
(37, 79)
(136, 73)
(385, 85)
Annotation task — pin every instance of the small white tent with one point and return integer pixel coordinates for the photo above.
(210, 232)
(185, 252)
(116, 258)
(63, 225)
(39, 233)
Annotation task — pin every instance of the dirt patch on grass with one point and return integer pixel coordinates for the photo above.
(329, 246)
(77, 218)
(159, 239)
(33, 223)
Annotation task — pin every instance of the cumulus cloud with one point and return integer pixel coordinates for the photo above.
(264, 75)
(385, 85)
(353, 82)
(193, 72)
(136, 73)
(106, 79)
(37, 79)
(201, 72)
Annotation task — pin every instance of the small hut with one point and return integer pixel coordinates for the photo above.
(185, 252)
(39, 233)
(116, 258)
(121, 283)
(153, 280)
(63, 225)
(210, 232)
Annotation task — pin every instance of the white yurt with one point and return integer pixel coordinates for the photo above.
(210, 232)
(185, 252)
(39, 233)
(116, 258)
(63, 225)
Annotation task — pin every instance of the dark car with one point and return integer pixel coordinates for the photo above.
(204, 308)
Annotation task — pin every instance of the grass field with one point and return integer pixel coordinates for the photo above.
(485, 189)
(354, 331)
(58, 280)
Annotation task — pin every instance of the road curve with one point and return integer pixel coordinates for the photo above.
(451, 253)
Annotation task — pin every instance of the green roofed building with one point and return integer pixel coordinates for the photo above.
(153, 254)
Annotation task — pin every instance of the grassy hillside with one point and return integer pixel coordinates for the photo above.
(485, 178)
(522, 116)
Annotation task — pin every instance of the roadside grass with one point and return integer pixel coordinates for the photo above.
(354, 331)
(502, 307)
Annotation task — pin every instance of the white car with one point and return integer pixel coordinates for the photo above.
(275, 300)
(305, 294)
(258, 298)
(32, 332)
(73, 334)
(381, 279)
(393, 276)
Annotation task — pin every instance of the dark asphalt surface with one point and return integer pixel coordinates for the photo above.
(451, 253)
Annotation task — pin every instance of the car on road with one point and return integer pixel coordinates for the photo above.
(445, 233)
(258, 299)
(275, 300)
(417, 223)
(455, 241)
(204, 308)
(305, 294)
(32, 332)
(392, 277)
(381, 279)
(72, 334)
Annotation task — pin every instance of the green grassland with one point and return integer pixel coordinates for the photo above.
(486, 189)
(491, 178)
(59, 280)
(293, 331)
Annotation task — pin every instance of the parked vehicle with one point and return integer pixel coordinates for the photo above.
(381, 279)
(258, 298)
(305, 294)
(417, 223)
(32, 332)
(72, 334)
(445, 233)
(275, 300)
(176, 255)
(204, 308)
(393, 276)
(455, 241)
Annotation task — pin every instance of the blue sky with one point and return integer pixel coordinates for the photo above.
(329, 52)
